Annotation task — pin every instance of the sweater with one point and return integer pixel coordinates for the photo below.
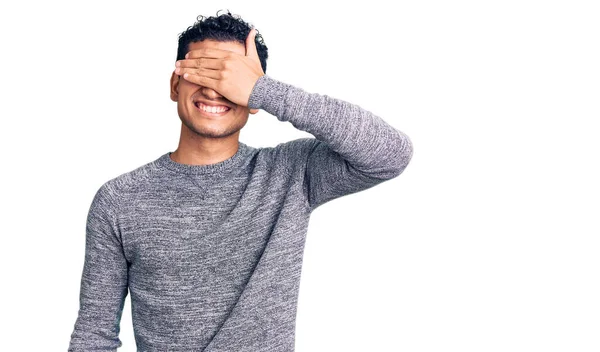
(211, 255)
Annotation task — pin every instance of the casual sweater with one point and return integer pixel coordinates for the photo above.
(211, 255)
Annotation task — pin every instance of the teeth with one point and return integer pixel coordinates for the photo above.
(212, 109)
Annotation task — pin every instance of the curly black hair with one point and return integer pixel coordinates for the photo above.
(224, 28)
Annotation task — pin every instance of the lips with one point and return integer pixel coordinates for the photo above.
(210, 102)
(211, 110)
(211, 107)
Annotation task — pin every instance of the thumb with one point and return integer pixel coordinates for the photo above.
(251, 46)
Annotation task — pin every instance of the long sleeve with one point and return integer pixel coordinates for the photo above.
(104, 281)
(354, 149)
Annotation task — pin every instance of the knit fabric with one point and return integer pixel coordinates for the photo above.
(211, 255)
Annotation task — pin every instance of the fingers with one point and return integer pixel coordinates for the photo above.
(207, 76)
(202, 81)
(213, 74)
(251, 50)
(208, 52)
(204, 62)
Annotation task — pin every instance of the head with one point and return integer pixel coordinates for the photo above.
(225, 32)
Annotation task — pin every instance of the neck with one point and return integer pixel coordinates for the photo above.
(200, 150)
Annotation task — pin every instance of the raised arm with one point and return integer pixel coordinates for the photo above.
(353, 150)
(104, 281)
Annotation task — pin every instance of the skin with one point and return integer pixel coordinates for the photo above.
(219, 72)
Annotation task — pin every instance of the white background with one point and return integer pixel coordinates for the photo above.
(489, 241)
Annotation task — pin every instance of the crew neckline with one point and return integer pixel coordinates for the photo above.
(216, 168)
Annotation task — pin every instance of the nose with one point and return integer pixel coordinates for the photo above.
(210, 93)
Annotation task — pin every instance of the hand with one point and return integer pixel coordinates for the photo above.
(230, 74)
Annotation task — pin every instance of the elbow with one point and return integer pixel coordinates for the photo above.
(398, 153)
(402, 154)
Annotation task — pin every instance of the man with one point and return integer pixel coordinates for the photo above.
(209, 239)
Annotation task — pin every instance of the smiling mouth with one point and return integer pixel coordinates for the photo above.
(211, 111)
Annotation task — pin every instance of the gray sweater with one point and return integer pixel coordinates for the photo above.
(211, 255)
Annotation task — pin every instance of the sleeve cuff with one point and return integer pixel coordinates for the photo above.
(268, 94)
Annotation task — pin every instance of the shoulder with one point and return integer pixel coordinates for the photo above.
(286, 158)
(127, 182)
(297, 149)
(290, 151)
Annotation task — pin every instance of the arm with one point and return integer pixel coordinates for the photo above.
(353, 150)
(104, 281)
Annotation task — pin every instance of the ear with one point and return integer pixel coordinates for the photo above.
(174, 86)
(254, 111)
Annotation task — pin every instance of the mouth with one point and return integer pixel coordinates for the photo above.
(211, 111)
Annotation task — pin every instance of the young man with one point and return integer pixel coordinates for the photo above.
(209, 239)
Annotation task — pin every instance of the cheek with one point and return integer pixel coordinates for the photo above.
(184, 106)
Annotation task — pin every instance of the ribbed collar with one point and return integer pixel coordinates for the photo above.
(221, 167)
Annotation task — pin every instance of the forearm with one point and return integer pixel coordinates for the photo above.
(362, 138)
